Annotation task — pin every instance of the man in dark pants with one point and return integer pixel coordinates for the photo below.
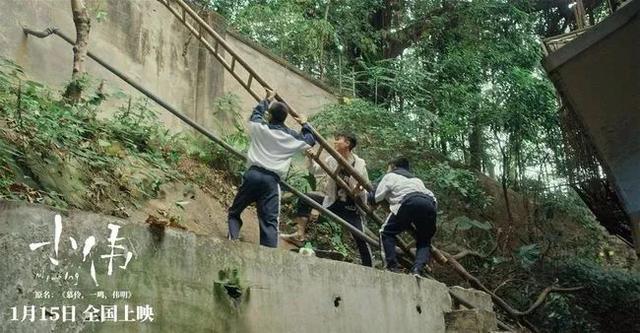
(335, 198)
(411, 204)
(269, 156)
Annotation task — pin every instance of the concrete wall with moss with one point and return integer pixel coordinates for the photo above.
(199, 284)
(144, 40)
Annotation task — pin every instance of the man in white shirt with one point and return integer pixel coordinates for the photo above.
(336, 198)
(411, 203)
(269, 156)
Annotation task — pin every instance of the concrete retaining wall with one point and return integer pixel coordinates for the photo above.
(144, 40)
(299, 91)
(182, 277)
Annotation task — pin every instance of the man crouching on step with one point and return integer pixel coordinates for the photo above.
(411, 204)
(335, 198)
(270, 151)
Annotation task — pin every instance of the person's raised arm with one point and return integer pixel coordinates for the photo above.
(307, 131)
(365, 174)
(257, 116)
(380, 191)
(311, 165)
(365, 193)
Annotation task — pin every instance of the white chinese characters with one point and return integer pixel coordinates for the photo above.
(117, 251)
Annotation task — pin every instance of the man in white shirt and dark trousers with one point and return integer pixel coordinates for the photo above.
(269, 156)
(411, 204)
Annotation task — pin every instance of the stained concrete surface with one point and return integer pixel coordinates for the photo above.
(189, 282)
(477, 298)
(145, 41)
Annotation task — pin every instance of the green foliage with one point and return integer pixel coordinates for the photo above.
(474, 71)
(331, 235)
(561, 314)
(384, 134)
(284, 27)
(76, 86)
(609, 303)
(403, 79)
(301, 180)
(54, 150)
(212, 154)
(568, 203)
(466, 223)
(227, 108)
(561, 214)
(381, 134)
(97, 9)
(527, 255)
(138, 128)
(455, 184)
(230, 277)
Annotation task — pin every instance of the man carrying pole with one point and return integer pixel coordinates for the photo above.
(335, 198)
(269, 156)
(411, 204)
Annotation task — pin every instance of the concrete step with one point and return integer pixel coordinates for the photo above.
(470, 321)
(477, 298)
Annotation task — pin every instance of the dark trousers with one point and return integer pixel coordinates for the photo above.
(418, 210)
(260, 186)
(347, 213)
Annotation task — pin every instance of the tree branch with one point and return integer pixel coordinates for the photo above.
(543, 295)
(467, 252)
(502, 284)
(446, 258)
(399, 40)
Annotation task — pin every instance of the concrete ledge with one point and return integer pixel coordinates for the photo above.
(471, 321)
(477, 298)
(199, 284)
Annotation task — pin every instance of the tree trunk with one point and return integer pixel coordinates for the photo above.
(489, 167)
(476, 150)
(506, 170)
(443, 146)
(83, 26)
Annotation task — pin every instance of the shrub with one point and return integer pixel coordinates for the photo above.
(610, 301)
